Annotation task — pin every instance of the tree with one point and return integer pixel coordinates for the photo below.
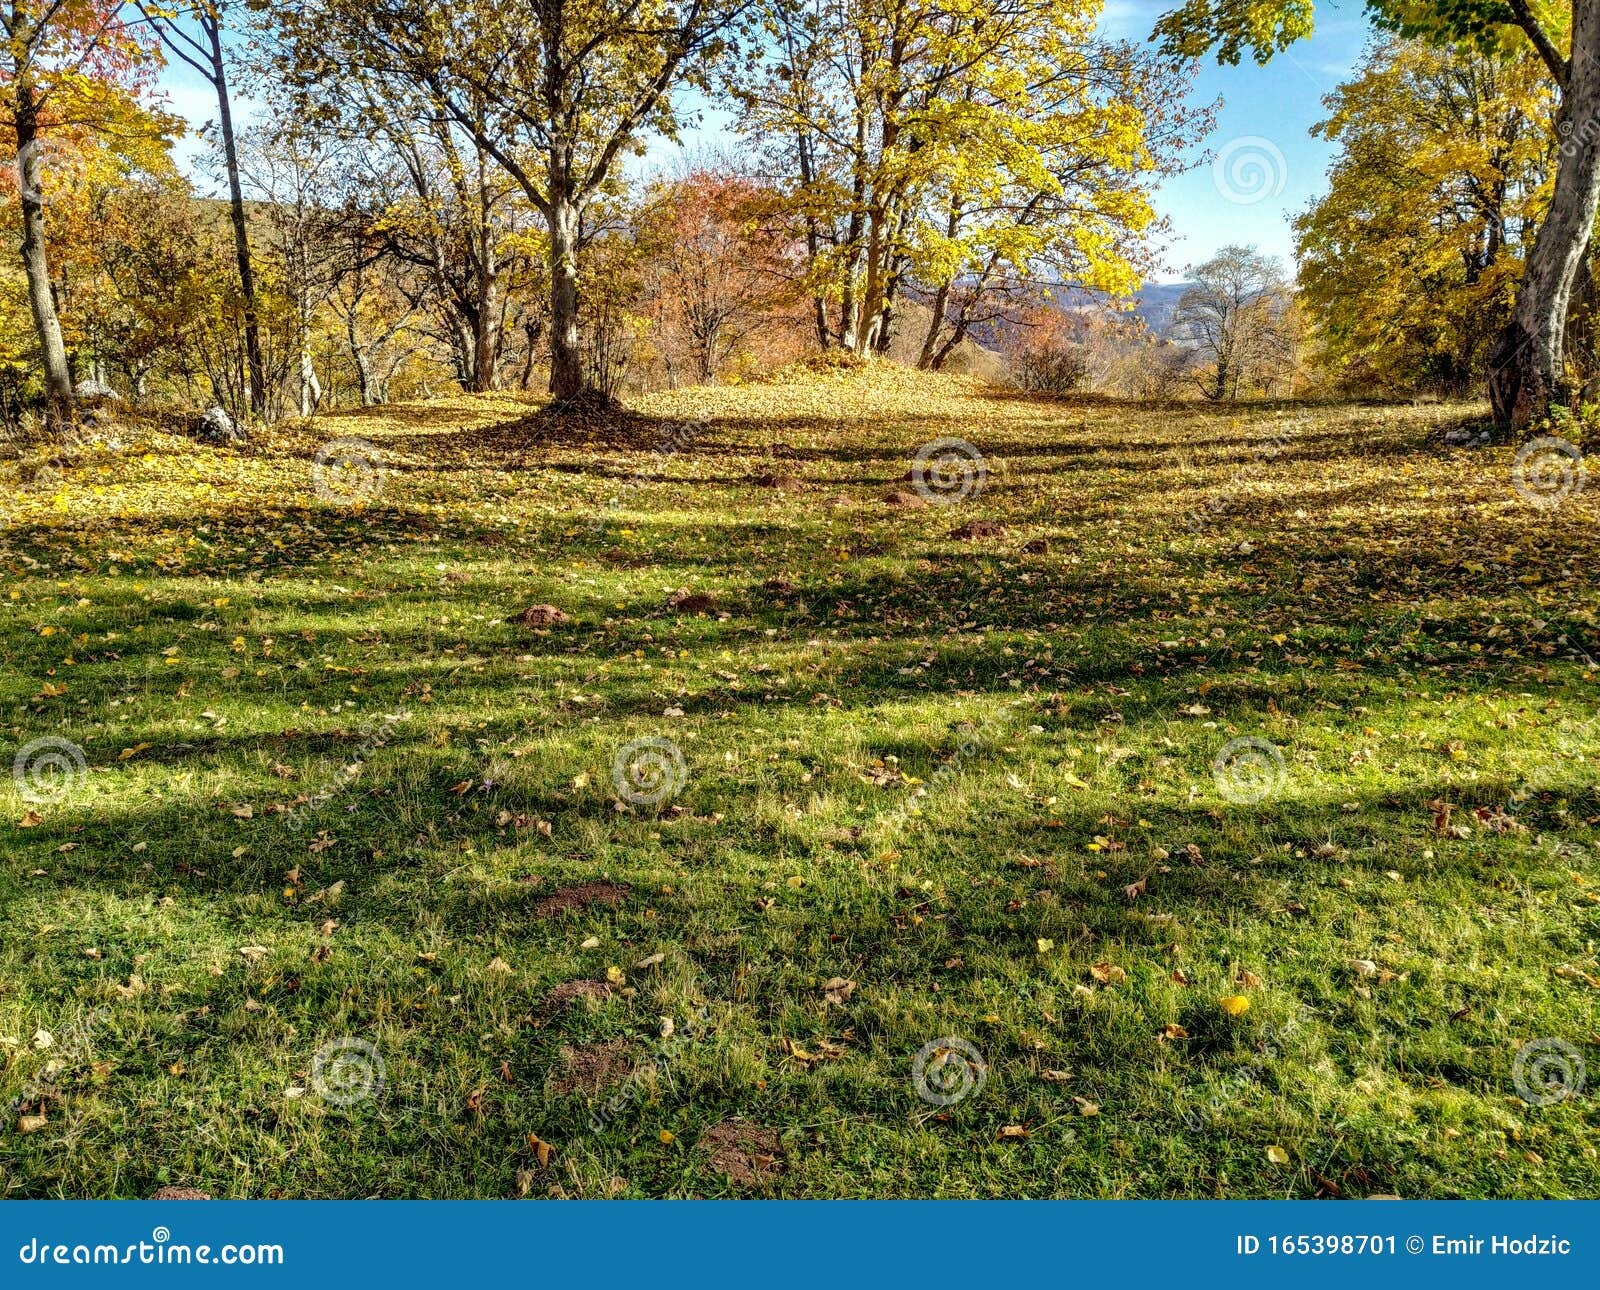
(1527, 368)
(1409, 264)
(712, 283)
(67, 67)
(1236, 316)
(959, 149)
(202, 50)
(556, 91)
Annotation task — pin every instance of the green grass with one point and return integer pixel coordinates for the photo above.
(1390, 616)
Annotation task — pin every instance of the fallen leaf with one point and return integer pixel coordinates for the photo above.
(541, 1148)
(1277, 1155)
(1107, 973)
(1012, 1131)
(838, 990)
(1235, 1005)
(1086, 1107)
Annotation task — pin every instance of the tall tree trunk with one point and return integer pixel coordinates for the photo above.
(930, 342)
(310, 386)
(36, 263)
(566, 356)
(241, 232)
(1527, 371)
(485, 369)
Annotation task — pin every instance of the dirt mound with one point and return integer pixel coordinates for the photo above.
(180, 1193)
(783, 483)
(583, 896)
(747, 1153)
(540, 616)
(693, 602)
(591, 1068)
(978, 529)
(780, 587)
(900, 497)
(569, 992)
(1039, 546)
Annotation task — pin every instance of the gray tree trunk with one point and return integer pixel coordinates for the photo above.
(566, 356)
(36, 263)
(1527, 368)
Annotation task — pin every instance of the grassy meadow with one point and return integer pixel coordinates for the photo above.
(1186, 801)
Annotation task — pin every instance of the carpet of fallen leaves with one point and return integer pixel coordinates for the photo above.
(454, 800)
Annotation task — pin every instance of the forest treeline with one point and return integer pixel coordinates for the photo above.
(427, 198)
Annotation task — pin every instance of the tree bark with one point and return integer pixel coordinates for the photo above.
(567, 382)
(1527, 368)
(241, 232)
(36, 263)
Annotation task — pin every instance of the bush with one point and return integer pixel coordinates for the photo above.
(1050, 369)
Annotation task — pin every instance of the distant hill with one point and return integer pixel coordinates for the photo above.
(1154, 303)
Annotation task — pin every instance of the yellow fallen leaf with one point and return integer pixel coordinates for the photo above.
(667, 1137)
(1107, 973)
(614, 975)
(1277, 1155)
(1235, 1005)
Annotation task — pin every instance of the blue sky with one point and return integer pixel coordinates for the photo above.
(1264, 166)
